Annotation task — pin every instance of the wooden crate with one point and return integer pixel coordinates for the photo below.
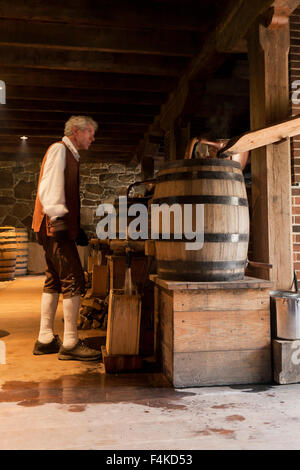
(123, 324)
(214, 333)
(100, 280)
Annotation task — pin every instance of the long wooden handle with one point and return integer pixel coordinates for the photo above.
(257, 264)
(261, 137)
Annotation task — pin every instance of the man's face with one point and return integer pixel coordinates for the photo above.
(84, 138)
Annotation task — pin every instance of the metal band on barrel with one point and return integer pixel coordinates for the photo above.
(208, 237)
(195, 175)
(226, 200)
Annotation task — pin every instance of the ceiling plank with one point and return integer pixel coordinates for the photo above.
(19, 76)
(134, 14)
(82, 107)
(76, 37)
(82, 95)
(114, 141)
(29, 115)
(41, 135)
(91, 61)
(56, 128)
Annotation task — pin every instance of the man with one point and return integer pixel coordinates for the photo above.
(56, 220)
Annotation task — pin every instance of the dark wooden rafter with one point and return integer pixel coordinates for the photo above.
(85, 95)
(133, 66)
(103, 39)
(61, 117)
(21, 76)
(55, 128)
(92, 61)
(117, 14)
(81, 107)
(232, 26)
(184, 101)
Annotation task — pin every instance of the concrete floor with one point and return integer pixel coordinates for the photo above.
(49, 404)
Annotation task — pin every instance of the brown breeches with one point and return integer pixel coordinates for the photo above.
(64, 273)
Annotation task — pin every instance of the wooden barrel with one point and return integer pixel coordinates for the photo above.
(22, 251)
(218, 185)
(8, 253)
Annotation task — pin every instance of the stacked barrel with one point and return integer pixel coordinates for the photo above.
(13, 252)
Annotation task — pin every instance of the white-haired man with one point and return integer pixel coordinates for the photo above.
(56, 220)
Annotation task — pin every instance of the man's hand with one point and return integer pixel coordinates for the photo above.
(59, 229)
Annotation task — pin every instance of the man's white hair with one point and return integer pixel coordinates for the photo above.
(79, 121)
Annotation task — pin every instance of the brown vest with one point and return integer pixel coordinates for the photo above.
(71, 195)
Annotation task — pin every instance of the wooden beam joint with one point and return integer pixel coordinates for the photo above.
(278, 15)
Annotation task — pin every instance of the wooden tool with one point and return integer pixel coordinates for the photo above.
(265, 136)
(257, 264)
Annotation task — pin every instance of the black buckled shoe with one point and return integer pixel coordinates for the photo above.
(80, 352)
(47, 348)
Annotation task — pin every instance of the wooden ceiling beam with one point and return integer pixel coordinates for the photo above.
(110, 142)
(134, 14)
(74, 37)
(91, 61)
(62, 117)
(56, 128)
(20, 76)
(75, 107)
(39, 135)
(28, 148)
(232, 26)
(84, 95)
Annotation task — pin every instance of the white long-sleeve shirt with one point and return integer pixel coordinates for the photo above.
(52, 184)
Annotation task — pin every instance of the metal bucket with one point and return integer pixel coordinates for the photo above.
(285, 314)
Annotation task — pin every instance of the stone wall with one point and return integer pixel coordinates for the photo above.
(104, 182)
(100, 182)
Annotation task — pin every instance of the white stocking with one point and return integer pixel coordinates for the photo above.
(48, 309)
(71, 310)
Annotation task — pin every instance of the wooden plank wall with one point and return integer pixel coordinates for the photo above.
(295, 141)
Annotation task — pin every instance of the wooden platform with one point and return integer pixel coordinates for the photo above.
(213, 333)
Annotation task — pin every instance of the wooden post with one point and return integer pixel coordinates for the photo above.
(268, 48)
(182, 137)
(147, 167)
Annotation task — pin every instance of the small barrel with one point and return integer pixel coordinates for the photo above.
(22, 251)
(219, 186)
(8, 253)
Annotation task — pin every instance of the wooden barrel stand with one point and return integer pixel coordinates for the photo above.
(213, 333)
